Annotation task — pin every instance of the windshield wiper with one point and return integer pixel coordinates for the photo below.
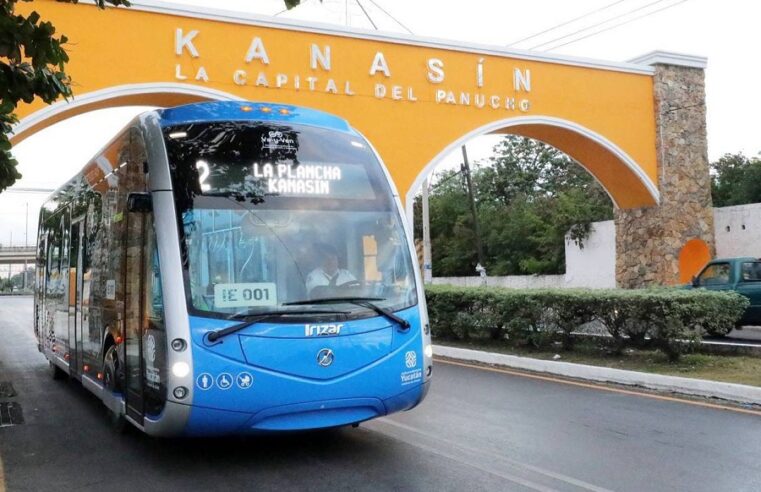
(215, 335)
(367, 302)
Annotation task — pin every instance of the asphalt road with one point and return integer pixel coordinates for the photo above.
(478, 430)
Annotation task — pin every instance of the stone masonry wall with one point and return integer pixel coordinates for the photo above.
(648, 240)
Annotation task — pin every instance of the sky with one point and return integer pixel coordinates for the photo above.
(725, 32)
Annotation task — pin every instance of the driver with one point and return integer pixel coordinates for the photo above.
(328, 274)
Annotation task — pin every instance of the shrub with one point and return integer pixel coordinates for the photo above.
(672, 320)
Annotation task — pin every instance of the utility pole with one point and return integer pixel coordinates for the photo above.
(476, 227)
(427, 266)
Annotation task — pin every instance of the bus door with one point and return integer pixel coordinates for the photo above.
(134, 370)
(75, 296)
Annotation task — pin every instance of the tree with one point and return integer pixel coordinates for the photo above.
(529, 196)
(32, 65)
(735, 180)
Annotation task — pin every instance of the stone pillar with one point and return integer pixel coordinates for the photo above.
(649, 240)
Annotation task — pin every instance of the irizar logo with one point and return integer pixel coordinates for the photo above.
(322, 330)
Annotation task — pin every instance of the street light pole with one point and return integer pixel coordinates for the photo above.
(476, 227)
(427, 267)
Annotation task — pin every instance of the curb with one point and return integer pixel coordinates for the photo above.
(738, 393)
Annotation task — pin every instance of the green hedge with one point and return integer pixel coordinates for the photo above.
(671, 320)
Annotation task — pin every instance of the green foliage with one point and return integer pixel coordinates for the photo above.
(6, 285)
(671, 320)
(289, 4)
(529, 195)
(736, 180)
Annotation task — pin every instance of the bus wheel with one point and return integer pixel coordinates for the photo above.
(56, 372)
(111, 382)
(111, 370)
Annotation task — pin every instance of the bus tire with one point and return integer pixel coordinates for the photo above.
(56, 372)
(111, 370)
(112, 383)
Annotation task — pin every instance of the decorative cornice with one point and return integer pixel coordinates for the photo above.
(671, 58)
(247, 18)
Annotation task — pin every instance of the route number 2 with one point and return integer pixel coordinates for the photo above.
(203, 175)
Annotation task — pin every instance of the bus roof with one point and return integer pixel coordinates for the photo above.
(250, 111)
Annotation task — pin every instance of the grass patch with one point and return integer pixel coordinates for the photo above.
(725, 368)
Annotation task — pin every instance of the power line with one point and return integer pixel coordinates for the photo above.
(592, 26)
(647, 14)
(367, 15)
(394, 18)
(565, 23)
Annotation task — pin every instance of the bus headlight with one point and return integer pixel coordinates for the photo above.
(428, 351)
(180, 369)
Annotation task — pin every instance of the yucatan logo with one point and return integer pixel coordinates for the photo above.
(411, 376)
(410, 359)
(150, 348)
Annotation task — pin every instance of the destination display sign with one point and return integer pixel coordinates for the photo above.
(277, 179)
(255, 159)
(306, 179)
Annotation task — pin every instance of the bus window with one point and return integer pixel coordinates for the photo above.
(276, 214)
(370, 252)
(154, 335)
(51, 269)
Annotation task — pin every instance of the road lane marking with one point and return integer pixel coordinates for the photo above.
(2, 476)
(603, 387)
(517, 464)
(462, 460)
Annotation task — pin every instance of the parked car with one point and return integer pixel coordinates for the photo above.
(742, 275)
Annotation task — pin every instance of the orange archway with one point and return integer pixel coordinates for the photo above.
(692, 258)
(413, 98)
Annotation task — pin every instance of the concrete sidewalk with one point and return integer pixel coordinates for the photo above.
(737, 393)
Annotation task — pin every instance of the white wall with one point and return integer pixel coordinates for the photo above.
(744, 235)
(510, 281)
(595, 265)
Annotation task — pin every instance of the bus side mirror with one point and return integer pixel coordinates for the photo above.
(139, 202)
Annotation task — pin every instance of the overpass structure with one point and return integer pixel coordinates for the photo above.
(17, 255)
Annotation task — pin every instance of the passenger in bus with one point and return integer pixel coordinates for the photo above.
(328, 275)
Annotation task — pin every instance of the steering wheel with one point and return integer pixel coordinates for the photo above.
(350, 283)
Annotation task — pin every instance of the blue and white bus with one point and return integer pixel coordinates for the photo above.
(233, 267)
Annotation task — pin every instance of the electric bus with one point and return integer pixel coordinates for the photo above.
(233, 267)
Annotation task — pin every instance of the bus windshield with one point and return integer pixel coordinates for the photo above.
(271, 214)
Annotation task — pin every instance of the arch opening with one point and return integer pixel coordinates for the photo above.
(522, 209)
(149, 94)
(622, 178)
